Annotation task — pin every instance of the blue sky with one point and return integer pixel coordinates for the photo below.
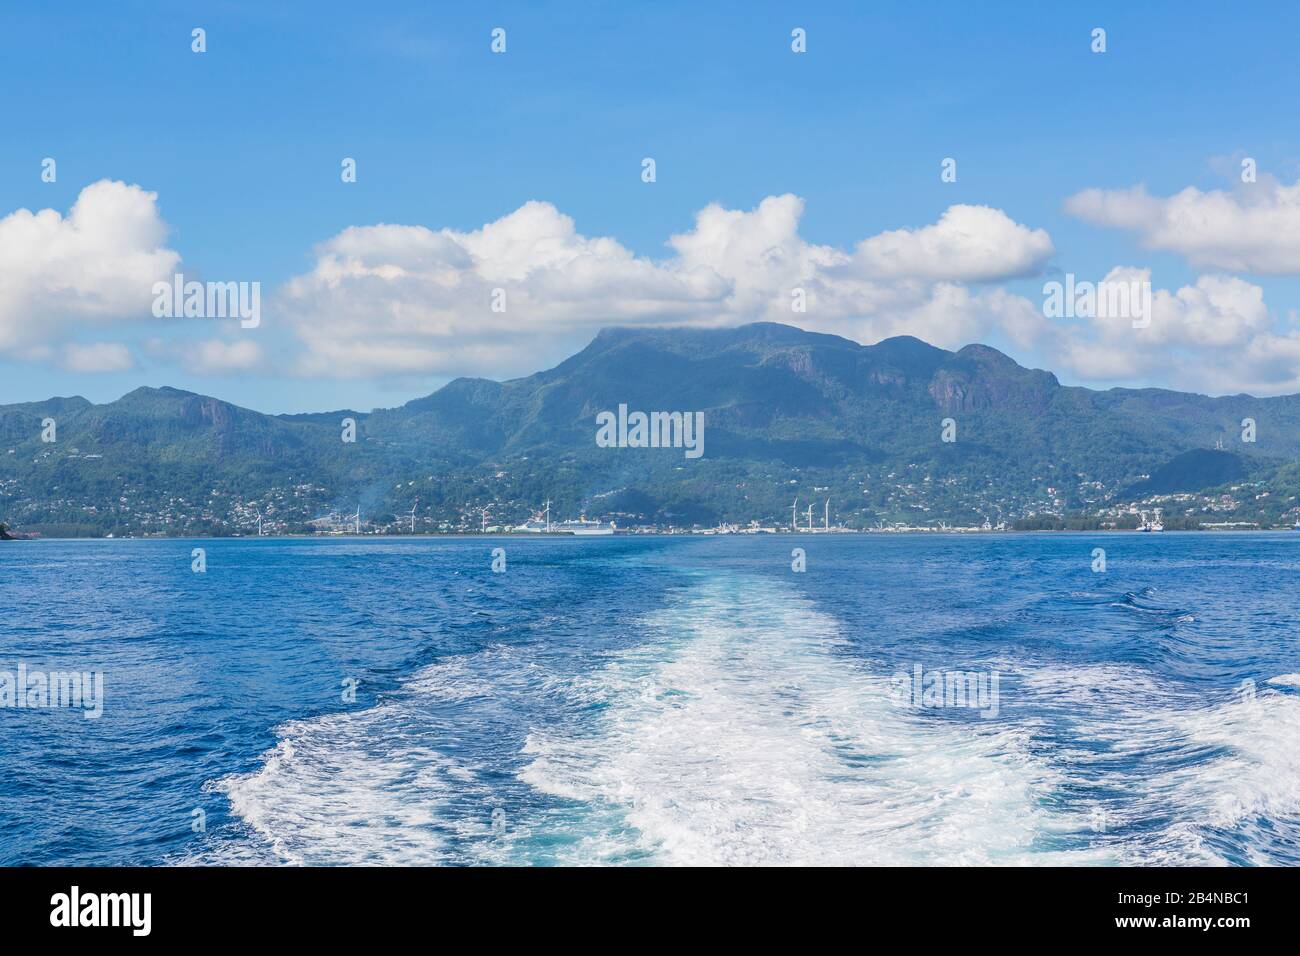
(242, 146)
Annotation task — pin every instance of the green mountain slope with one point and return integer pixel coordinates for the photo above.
(787, 413)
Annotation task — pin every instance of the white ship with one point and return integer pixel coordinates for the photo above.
(583, 526)
(541, 523)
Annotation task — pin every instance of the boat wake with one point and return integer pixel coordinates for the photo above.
(742, 728)
(1174, 777)
(741, 733)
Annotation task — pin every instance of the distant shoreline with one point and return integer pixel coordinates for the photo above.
(499, 535)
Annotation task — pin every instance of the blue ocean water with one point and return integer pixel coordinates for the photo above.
(664, 700)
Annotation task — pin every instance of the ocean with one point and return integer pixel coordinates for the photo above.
(927, 699)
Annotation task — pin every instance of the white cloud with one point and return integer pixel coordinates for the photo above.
(1254, 229)
(92, 267)
(216, 357)
(97, 357)
(402, 299)
(208, 356)
(1214, 336)
(967, 244)
(407, 299)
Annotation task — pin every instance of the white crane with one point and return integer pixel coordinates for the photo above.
(356, 518)
(794, 515)
(826, 516)
(259, 522)
(413, 507)
(810, 527)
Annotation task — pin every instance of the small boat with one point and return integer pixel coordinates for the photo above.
(1151, 524)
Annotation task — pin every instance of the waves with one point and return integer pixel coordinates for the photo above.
(381, 786)
(663, 701)
(743, 726)
(742, 734)
(345, 790)
(1172, 776)
(739, 732)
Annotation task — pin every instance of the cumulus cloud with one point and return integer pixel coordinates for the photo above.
(1254, 229)
(968, 244)
(1216, 335)
(94, 266)
(408, 299)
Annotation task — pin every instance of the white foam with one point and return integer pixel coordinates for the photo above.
(739, 735)
(1187, 772)
(740, 732)
(374, 786)
(344, 789)
(1256, 776)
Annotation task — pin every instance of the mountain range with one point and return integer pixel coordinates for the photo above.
(788, 413)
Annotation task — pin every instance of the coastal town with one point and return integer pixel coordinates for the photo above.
(900, 504)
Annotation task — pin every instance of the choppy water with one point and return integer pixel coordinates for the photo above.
(657, 700)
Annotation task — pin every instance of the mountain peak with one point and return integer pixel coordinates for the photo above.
(984, 351)
(989, 358)
(909, 354)
(148, 392)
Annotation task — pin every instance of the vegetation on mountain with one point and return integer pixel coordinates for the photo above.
(788, 414)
